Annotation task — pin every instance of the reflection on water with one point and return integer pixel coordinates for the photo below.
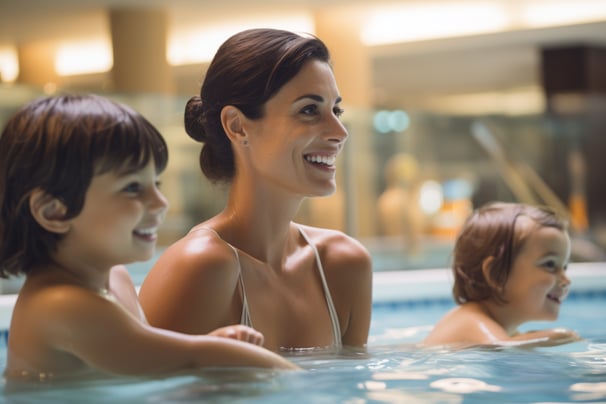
(392, 370)
(390, 373)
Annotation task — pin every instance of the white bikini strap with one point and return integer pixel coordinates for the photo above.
(245, 316)
(334, 317)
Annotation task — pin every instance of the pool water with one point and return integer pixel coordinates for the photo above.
(392, 370)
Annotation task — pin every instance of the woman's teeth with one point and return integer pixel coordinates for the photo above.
(326, 160)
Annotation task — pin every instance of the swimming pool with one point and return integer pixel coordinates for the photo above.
(406, 304)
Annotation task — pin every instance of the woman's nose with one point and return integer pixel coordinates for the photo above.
(338, 132)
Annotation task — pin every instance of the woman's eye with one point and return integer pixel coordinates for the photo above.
(310, 110)
(338, 111)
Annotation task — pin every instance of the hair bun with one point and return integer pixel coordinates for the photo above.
(194, 119)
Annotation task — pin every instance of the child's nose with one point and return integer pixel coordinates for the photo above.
(158, 202)
(564, 281)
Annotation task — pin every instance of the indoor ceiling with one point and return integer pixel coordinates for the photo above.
(404, 74)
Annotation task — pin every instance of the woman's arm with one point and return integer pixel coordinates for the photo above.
(191, 287)
(348, 269)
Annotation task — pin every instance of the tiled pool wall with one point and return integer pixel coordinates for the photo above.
(411, 287)
(436, 284)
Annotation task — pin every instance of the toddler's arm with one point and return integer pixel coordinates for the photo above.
(550, 337)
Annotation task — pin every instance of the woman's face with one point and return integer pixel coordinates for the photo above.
(295, 145)
(538, 284)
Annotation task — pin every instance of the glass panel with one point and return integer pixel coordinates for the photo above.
(407, 180)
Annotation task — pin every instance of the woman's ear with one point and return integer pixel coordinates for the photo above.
(49, 212)
(232, 120)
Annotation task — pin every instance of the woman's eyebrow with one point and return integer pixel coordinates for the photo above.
(317, 98)
(314, 97)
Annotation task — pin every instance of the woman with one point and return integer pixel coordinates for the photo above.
(268, 115)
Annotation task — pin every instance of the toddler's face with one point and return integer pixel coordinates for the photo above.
(538, 284)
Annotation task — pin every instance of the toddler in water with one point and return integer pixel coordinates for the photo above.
(78, 196)
(509, 268)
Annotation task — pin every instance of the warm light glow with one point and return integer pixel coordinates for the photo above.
(83, 58)
(9, 65)
(561, 12)
(432, 20)
(419, 21)
(199, 46)
(431, 197)
(518, 101)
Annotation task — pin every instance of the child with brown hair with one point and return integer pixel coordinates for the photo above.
(78, 196)
(509, 268)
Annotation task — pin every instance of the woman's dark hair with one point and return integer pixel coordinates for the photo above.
(57, 144)
(247, 70)
(491, 231)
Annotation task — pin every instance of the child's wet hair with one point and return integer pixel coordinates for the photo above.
(58, 144)
(491, 231)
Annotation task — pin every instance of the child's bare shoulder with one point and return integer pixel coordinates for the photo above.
(463, 325)
(55, 305)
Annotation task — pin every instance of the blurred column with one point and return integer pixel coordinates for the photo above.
(572, 76)
(339, 29)
(37, 64)
(139, 40)
(574, 85)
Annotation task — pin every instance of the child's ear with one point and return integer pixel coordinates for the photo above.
(48, 211)
(486, 267)
(232, 120)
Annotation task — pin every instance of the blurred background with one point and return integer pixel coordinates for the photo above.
(449, 104)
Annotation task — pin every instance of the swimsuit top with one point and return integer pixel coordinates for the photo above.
(334, 319)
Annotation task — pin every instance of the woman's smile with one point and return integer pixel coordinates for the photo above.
(322, 161)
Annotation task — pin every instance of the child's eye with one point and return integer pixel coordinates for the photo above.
(550, 265)
(133, 188)
(338, 111)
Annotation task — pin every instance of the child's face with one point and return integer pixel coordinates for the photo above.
(119, 221)
(538, 284)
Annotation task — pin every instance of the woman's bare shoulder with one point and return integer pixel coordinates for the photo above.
(336, 244)
(191, 285)
(201, 252)
(198, 263)
(341, 253)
